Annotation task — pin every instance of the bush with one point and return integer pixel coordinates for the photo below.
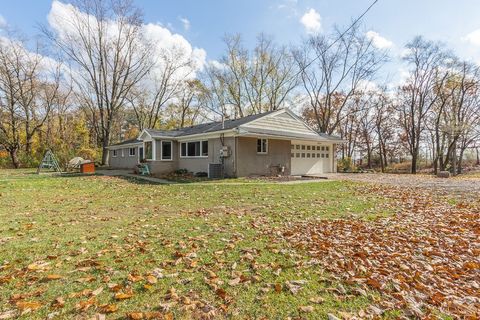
(181, 171)
(201, 174)
(402, 167)
(345, 165)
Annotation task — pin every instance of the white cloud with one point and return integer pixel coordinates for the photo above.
(311, 20)
(378, 41)
(166, 44)
(3, 22)
(186, 23)
(473, 38)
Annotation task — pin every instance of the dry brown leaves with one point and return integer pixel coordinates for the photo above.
(423, 258)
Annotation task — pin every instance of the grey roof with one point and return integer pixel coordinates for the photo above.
(207, 127)
(131, 141)
(329, 136)
(217, 126)
(319, 137)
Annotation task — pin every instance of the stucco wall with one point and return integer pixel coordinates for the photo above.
(125, 162)
(252, 163)
(159, 166)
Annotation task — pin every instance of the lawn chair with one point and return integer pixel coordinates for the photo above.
(143, 169)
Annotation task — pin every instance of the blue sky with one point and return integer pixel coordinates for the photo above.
(396, 21)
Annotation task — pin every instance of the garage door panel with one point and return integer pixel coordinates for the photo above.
(309, 159)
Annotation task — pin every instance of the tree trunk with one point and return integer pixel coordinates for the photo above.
(460, 161)
(104, 152)
(14, 157)
(454, 158)
(414, 163)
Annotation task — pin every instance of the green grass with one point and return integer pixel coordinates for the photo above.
(129, 227)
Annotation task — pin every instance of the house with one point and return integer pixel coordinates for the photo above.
(275, 142)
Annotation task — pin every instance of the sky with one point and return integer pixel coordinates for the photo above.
(390, 23)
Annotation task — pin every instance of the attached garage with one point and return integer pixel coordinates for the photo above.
(311, 158)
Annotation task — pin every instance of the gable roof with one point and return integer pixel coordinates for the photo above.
(126, 142)
(281, 123)
(207, 127)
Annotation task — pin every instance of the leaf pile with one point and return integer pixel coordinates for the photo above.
(423, 260)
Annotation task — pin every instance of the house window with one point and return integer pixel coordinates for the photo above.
(326, 155)
(123, 153)
(114, 154)
(262, 145)
(140, 153)
(205, 148)
(149, 150)
(166, 150)
(297, 147)
(303, 147)
(308, 147)
(318, 148)
(297, 155)
(132, 151)
(194, 149)
(326, 148)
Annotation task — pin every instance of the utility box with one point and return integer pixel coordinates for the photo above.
(224, 152)
(88, 167)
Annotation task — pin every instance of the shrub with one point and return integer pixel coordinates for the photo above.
(201, 174)
(345, 165)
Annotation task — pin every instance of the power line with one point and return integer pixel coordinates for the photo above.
(341, 35)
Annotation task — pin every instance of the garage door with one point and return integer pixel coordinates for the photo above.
(310, 159)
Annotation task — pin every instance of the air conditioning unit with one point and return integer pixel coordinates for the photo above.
(225, 152)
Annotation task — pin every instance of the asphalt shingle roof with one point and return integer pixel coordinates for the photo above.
(207, 127)
(131, 141)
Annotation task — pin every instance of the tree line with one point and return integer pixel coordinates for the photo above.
(104, 80)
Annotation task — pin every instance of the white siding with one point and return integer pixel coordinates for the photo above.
(283, 123)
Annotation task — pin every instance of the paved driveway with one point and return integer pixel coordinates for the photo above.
(458, 185)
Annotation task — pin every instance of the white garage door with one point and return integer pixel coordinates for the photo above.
(310, 159)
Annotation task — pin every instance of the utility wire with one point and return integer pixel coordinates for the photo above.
(360, 17)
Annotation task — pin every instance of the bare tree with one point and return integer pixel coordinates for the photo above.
(103, 41)
(418, 95)
(336, 66)
(170, 75)
(187, 110)
(255, 81)
(27, 90)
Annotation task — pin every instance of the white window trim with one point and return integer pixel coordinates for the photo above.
(114, 153)
(192, 157)
(266, 144)
(123, 152)
(135, 151)
(161, 150)
(153, 150)
(139, 160)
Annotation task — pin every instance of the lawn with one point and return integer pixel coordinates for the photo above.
(83, 246)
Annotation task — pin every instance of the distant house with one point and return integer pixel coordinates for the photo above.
(275, 142)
